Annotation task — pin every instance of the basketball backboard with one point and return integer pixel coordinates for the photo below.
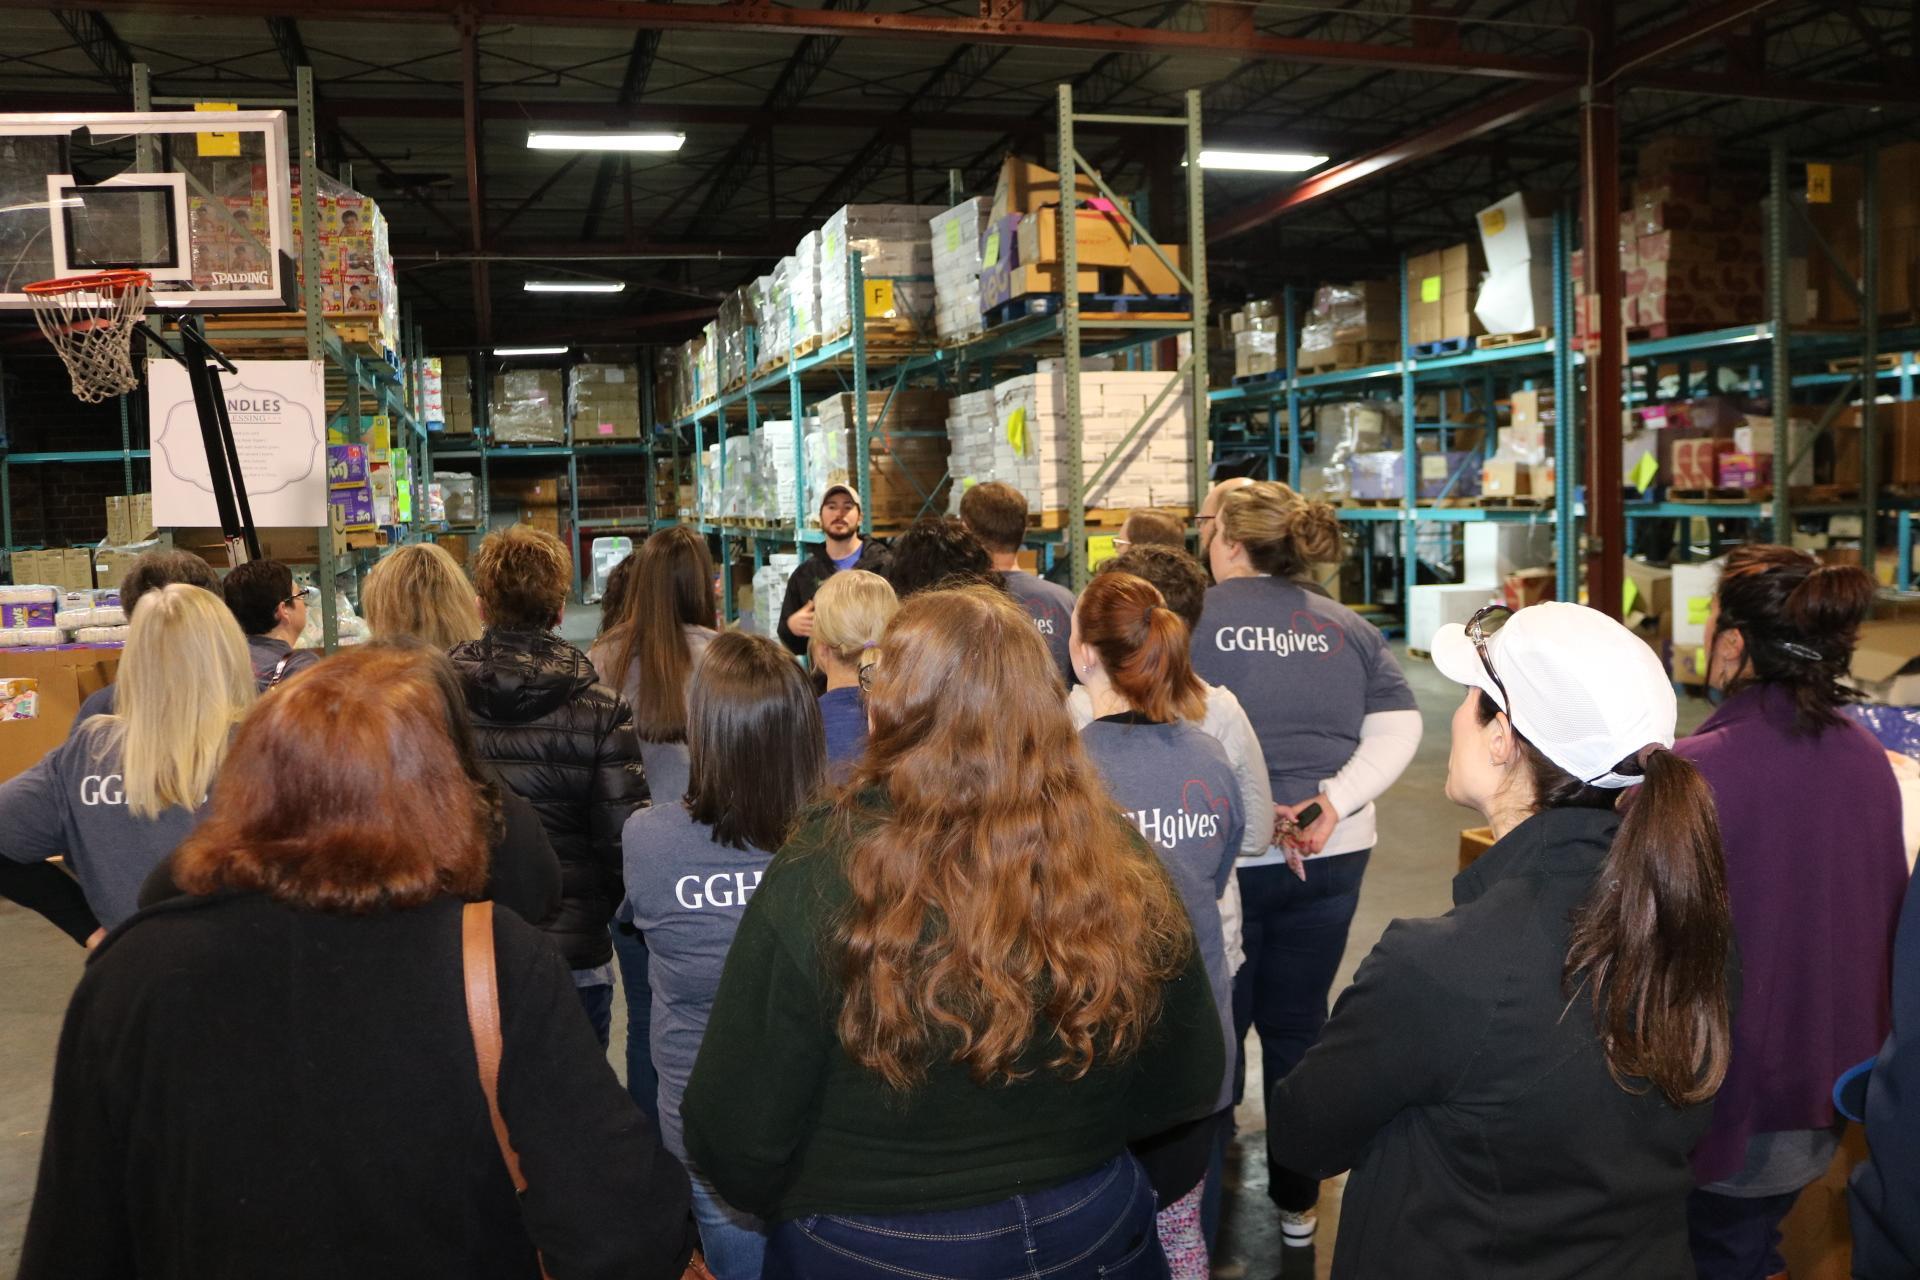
(201, 201)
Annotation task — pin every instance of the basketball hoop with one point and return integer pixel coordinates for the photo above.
(89, 320)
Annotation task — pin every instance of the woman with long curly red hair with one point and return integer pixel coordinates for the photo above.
(961, 989)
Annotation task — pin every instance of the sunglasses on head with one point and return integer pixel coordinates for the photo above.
(1479, 627)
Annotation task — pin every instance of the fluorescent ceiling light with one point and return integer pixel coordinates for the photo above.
(575, 286)
(530, 351)
(606, 141)
(1261, 161)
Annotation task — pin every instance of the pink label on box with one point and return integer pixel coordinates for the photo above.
(606, 428)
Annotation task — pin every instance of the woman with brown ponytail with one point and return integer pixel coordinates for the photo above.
(1516, 1084)
(1816, 870)
(961, 989)
(1173, 781)
(1337, 725)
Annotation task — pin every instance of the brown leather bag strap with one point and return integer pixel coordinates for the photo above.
(483, 1018)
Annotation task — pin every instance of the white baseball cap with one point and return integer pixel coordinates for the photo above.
(1586, 691)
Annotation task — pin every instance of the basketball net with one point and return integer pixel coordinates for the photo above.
(89, 320)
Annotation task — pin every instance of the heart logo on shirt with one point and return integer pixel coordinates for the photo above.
(1336, 637)
(1197, 797)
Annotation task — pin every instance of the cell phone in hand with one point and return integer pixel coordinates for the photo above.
(1307, 816)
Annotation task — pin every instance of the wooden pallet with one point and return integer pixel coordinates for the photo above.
(1654, 332)
(1347, 355)
(274, 333)
(1498, 340)
(1513, 502)
(1881, 360)
(1719, 496)
(1444, 347)
(888, 336)
(1101, 518)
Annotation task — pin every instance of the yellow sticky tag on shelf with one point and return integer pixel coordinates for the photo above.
(1629, 596)
(879, 297)
(1697, 607)
(1819, 184)
(1700, 662)
(990, 256)
(1017, 429)
(1100, 550)
(217, 144)
(1493, 221)
(1430, 288)
(1644, 471)
(953, 237)
(967, 482)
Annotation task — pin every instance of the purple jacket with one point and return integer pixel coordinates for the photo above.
(1816, 869)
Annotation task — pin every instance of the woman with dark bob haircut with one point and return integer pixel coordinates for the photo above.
(277, 1076)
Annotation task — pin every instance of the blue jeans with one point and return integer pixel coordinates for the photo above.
(1294, 932)
(1737, 1237)
(643, 1082)
(1098, 1225)
(597, 1000)
(735, 1243)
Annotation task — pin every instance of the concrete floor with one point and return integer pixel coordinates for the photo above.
(1410, 875)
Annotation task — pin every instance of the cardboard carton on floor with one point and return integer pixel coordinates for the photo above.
(59, 679)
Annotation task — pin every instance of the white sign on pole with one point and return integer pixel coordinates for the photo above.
(279, 414)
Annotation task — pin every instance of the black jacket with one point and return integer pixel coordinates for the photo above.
(1472, 1100)
(1885, 1199)
(816, 569)
(565, 742)
(248, 1089)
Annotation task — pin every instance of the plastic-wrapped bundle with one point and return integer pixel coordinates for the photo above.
(16, 637)
(896, 254)
(803, 289)
(956, 268)
(28, 606)
(460, 495)
(100, 616)
(770, 589)
(102, 635)
(1897, 728)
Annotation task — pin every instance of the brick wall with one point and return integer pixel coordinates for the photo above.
(63, 503)
(613, 488)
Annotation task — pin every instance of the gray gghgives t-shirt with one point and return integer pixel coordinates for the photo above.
(1174, 783)
(73, 804)
(1050, 605)
(686, 894)
(1306, 669)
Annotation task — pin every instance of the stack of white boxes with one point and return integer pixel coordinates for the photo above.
(774, 342)
(709, 483)
(773, 442)
(770, 589)
(1017, 434)
(894, 247)
(803, 289)
(956, 268)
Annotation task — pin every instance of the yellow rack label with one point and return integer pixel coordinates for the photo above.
(217, 144)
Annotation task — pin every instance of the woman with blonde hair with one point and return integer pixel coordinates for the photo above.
(849, 615)
(421, 590)
(976, 980)
(118, 795)
(1337, 725)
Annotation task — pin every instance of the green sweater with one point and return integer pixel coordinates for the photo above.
(786, 1124)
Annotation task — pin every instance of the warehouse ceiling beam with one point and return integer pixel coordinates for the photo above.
(476, 178)
(1782, 88)
(726, 179)
(1226, 40)
(103, 46)
(633, 84)
(595, 251)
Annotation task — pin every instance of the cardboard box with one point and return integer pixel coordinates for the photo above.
(129, 519)
(1431, 607)
(1505, 478)
(1528, 586)
(1146, 274)
(1744, 470)
(1696, 462)
(1694, 583)
(1689, 665)
(111, 564)
(69, 568)
(1024, 186)
(1474, 841)
(58, 680)
(541, 492)
(545, 518)
(1494, 550)
(346, 465)
(1887, 647)
(354, 505)
(1105, 239)
(1647, 596)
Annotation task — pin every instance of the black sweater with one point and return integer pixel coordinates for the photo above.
(244, 1089)
(1471, 1098)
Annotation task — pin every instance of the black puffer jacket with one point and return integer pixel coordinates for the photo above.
(565, 742)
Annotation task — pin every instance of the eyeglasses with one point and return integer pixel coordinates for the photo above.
(1478, 631)
(299, 594)
(1199, 522)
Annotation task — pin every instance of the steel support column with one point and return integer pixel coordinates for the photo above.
(476, 180)
(1197, 275)
(1780, 379)
(1869, 356)
(1076, 494)
(1600, 208)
